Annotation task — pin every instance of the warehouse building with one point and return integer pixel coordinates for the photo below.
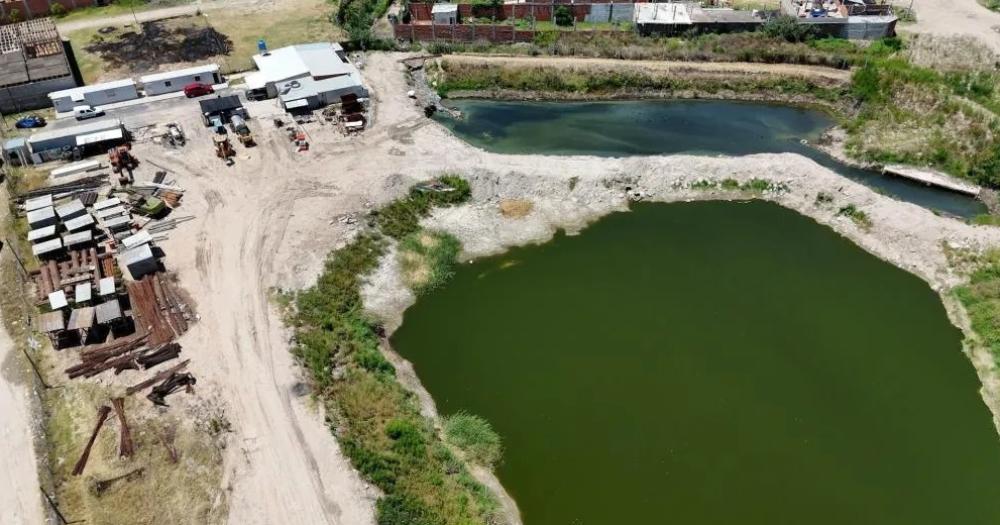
(33, 63)
(307, 76)
(173, 81)
(59, 143)
(95, 95)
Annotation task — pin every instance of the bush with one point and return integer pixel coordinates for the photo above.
(563, 16)
(981, 299)
(402, 217)
(57, 10)
(475, 436)
(789, 28)
(400, 510)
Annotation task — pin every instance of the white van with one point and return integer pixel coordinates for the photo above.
(86, 112)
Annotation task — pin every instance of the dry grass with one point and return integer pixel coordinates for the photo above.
(288, 22)
(516, 208)
(950, 53)
(188, 492)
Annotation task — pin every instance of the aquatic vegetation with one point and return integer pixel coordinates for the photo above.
(475, 436)
(981, 298)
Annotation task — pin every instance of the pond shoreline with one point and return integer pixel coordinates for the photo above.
(905, 235)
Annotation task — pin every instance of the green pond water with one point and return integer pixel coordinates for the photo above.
(624, 128)
(712, 363)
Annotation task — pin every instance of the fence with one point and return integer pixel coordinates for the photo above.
(593, 11)
(495, 33)
(16, 10)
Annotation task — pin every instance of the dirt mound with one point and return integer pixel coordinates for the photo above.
(180, 39)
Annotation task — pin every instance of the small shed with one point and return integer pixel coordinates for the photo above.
(138, 239)
(42, 217)
(51, 322)
(66, 139)
(139, 261)
(71, 209)
(38, 203)
(223, 107)
(42, 233)
(107, 203)
(123, 222)
(95, 95)
(58, 300)
(113, 211)
(81, 319)
(73, 239)
(79, 223)
(82, 293)
(16, 152)
(109, 311)
(47, 247)
(172, 81)
(445, 13)
(106, 287)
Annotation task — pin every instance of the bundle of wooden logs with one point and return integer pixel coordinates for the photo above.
(123, 354)
(157, 308)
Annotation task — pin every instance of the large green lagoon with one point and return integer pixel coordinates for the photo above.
(712, 363)
(678, 126)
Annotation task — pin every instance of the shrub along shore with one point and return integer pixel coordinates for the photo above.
(377, 420)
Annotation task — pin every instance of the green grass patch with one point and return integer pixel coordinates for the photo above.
(981, 299)
(857, 215)
(428, 259)
(474, 436)
(377, 421)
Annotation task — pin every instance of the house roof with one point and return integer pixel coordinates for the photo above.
(72, 131)
(51, 322)
(444, 8)
(81, 318)
(169, 75)
(672, 13)
(317, 60)
(108, 311)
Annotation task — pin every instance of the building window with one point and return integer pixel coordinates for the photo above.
(197, 78)
(166, 83)
(111, 93)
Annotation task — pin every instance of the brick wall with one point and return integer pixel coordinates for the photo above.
(542, 11)
(495, 33)
(29, 9)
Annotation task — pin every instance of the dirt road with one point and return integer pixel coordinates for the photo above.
(158, 14)
(20, 500)
(956, 17)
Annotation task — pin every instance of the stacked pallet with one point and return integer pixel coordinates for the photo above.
(82, 266)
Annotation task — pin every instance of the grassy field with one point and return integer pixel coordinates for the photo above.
(119, 7)
(290, 22)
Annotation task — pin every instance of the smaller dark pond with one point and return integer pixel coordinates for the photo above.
(626, 128)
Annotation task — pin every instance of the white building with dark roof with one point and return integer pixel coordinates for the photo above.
(306, 76)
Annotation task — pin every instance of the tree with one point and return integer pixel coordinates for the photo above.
(563, 16)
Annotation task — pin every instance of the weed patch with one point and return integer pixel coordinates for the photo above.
(858, 216)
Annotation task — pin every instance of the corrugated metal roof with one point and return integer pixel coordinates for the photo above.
(38, 202)
(318, 60)
(72, 131)
(444, 8)
(72, 239)
(138, 239)
(108, 311)
(48, 246)
(100, 136)
(107, 203)
(111, 212)
(118, 223)
(51, 322)
(168, 75)
(71, 209)
(82, 90)
(137, 254)
(41, 214)
(42, 233)
(80, 222)
(81, 318)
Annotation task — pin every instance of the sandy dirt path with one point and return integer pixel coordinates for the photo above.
(956, 17)
(664, 66)
(158, 14)
(20, 499)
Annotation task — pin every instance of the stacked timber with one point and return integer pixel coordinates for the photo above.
(157, 308)
(82, 266)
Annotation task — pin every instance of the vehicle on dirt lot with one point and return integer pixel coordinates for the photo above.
(197, 89)
(86, 112)
(30, 121)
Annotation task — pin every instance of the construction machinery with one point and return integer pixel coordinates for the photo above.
(122, 163)
(224, 149)
(146, 204)
(175, 135)
(242, 130)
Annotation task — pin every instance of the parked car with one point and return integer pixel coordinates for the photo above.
(87, 112)
(198, 89)
(30, 121)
